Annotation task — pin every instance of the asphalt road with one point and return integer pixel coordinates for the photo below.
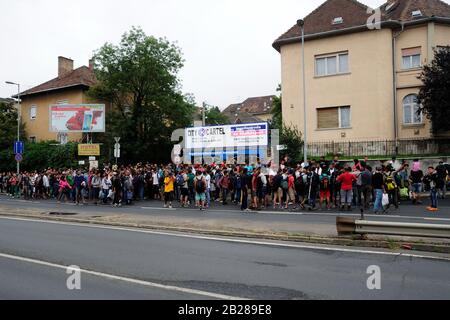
(134, 264)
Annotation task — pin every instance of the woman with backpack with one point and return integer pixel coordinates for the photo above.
(200, 190)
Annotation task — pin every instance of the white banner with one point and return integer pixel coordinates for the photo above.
(77, 118)
(238, 135)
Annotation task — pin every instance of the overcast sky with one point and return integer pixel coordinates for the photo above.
(227, 44)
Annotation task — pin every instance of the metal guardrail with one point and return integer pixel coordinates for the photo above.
(346, 226)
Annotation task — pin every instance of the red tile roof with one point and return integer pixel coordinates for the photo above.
(82, 76)
(355, 15)
(250, 108)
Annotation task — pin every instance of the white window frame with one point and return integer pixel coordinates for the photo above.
(33, 107)
(411, 66)
(340, 117)
(32, 138)
(338, 64)
(412, 106)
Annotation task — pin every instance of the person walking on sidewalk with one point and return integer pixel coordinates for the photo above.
(416, 181)
(431, 181)
(442, 173)
(200, 190)
(378, 187)
(346, 179)
(245, 181)
(169, 188)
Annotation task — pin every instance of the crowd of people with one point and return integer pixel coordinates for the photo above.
(314, 185)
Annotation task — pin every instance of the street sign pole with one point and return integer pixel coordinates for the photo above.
(117, 149)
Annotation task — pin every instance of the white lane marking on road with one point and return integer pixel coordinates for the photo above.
(231, 240)
(125, 279)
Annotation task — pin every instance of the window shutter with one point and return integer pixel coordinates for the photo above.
(328, 118)
(412, 51)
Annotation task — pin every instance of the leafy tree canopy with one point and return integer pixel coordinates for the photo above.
(434, 96)
(139, 76)
(215, 117)
(290, 136)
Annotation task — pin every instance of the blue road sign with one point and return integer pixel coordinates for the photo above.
(19, 157)
(19, 147)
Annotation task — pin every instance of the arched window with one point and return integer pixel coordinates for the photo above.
(410, 110)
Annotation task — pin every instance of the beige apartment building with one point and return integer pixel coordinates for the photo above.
(361, 79)
(69, 87)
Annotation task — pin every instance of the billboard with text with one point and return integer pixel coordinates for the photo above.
(238, 135)
(77, 118)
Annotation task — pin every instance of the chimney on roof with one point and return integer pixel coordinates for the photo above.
(91, 64)
(65, 66)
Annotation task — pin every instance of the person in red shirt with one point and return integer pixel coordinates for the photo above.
(346, 179)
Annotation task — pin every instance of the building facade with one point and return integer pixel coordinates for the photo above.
(362, 68)
(69, 87)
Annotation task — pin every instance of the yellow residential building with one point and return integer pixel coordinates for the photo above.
(69, 87)
(362, 68)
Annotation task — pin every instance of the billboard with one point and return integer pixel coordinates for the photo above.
(88, 150)
(77, 118)
(237, 135)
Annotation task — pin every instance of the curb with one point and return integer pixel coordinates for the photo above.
(341, 241)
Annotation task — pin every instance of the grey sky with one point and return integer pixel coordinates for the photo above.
(226, 43)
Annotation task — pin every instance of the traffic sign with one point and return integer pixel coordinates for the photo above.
(19, 157)
(19, 147)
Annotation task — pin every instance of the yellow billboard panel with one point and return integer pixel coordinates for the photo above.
(89, 150)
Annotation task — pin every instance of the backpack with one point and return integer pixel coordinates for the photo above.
(238, 182)
(200, 186)
(180, 180)
(325, 183)
(259, 183)
(285, 184)
(390, 183)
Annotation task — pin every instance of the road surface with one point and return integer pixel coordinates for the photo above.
(136, 264)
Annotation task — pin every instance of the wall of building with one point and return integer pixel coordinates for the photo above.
(428, 37)
(39, 127)
(367, 88)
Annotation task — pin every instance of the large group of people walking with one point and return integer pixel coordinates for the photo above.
(314, 185)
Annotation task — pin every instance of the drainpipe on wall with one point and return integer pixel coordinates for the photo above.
(394, 70)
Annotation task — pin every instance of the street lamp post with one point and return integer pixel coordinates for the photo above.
(301, 24)
(19, 110)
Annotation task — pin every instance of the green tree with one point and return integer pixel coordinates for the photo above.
(277, 111)
(434, 96)
(290, 136)
(139, 76)
(8, 135)
(215, 117)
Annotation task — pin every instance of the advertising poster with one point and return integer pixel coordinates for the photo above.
(77, 118)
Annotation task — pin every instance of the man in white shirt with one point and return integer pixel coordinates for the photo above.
(208, 188)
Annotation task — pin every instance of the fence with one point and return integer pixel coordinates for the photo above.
(417, 147)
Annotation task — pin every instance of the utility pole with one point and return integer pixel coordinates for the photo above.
(301, 24)
(204, 114)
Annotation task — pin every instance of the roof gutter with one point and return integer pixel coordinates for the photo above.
(393, 24)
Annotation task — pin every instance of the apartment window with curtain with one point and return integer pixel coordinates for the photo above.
(411, 107)
(33, 113)
(411, 58)
(334, 118)
(332, 64)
